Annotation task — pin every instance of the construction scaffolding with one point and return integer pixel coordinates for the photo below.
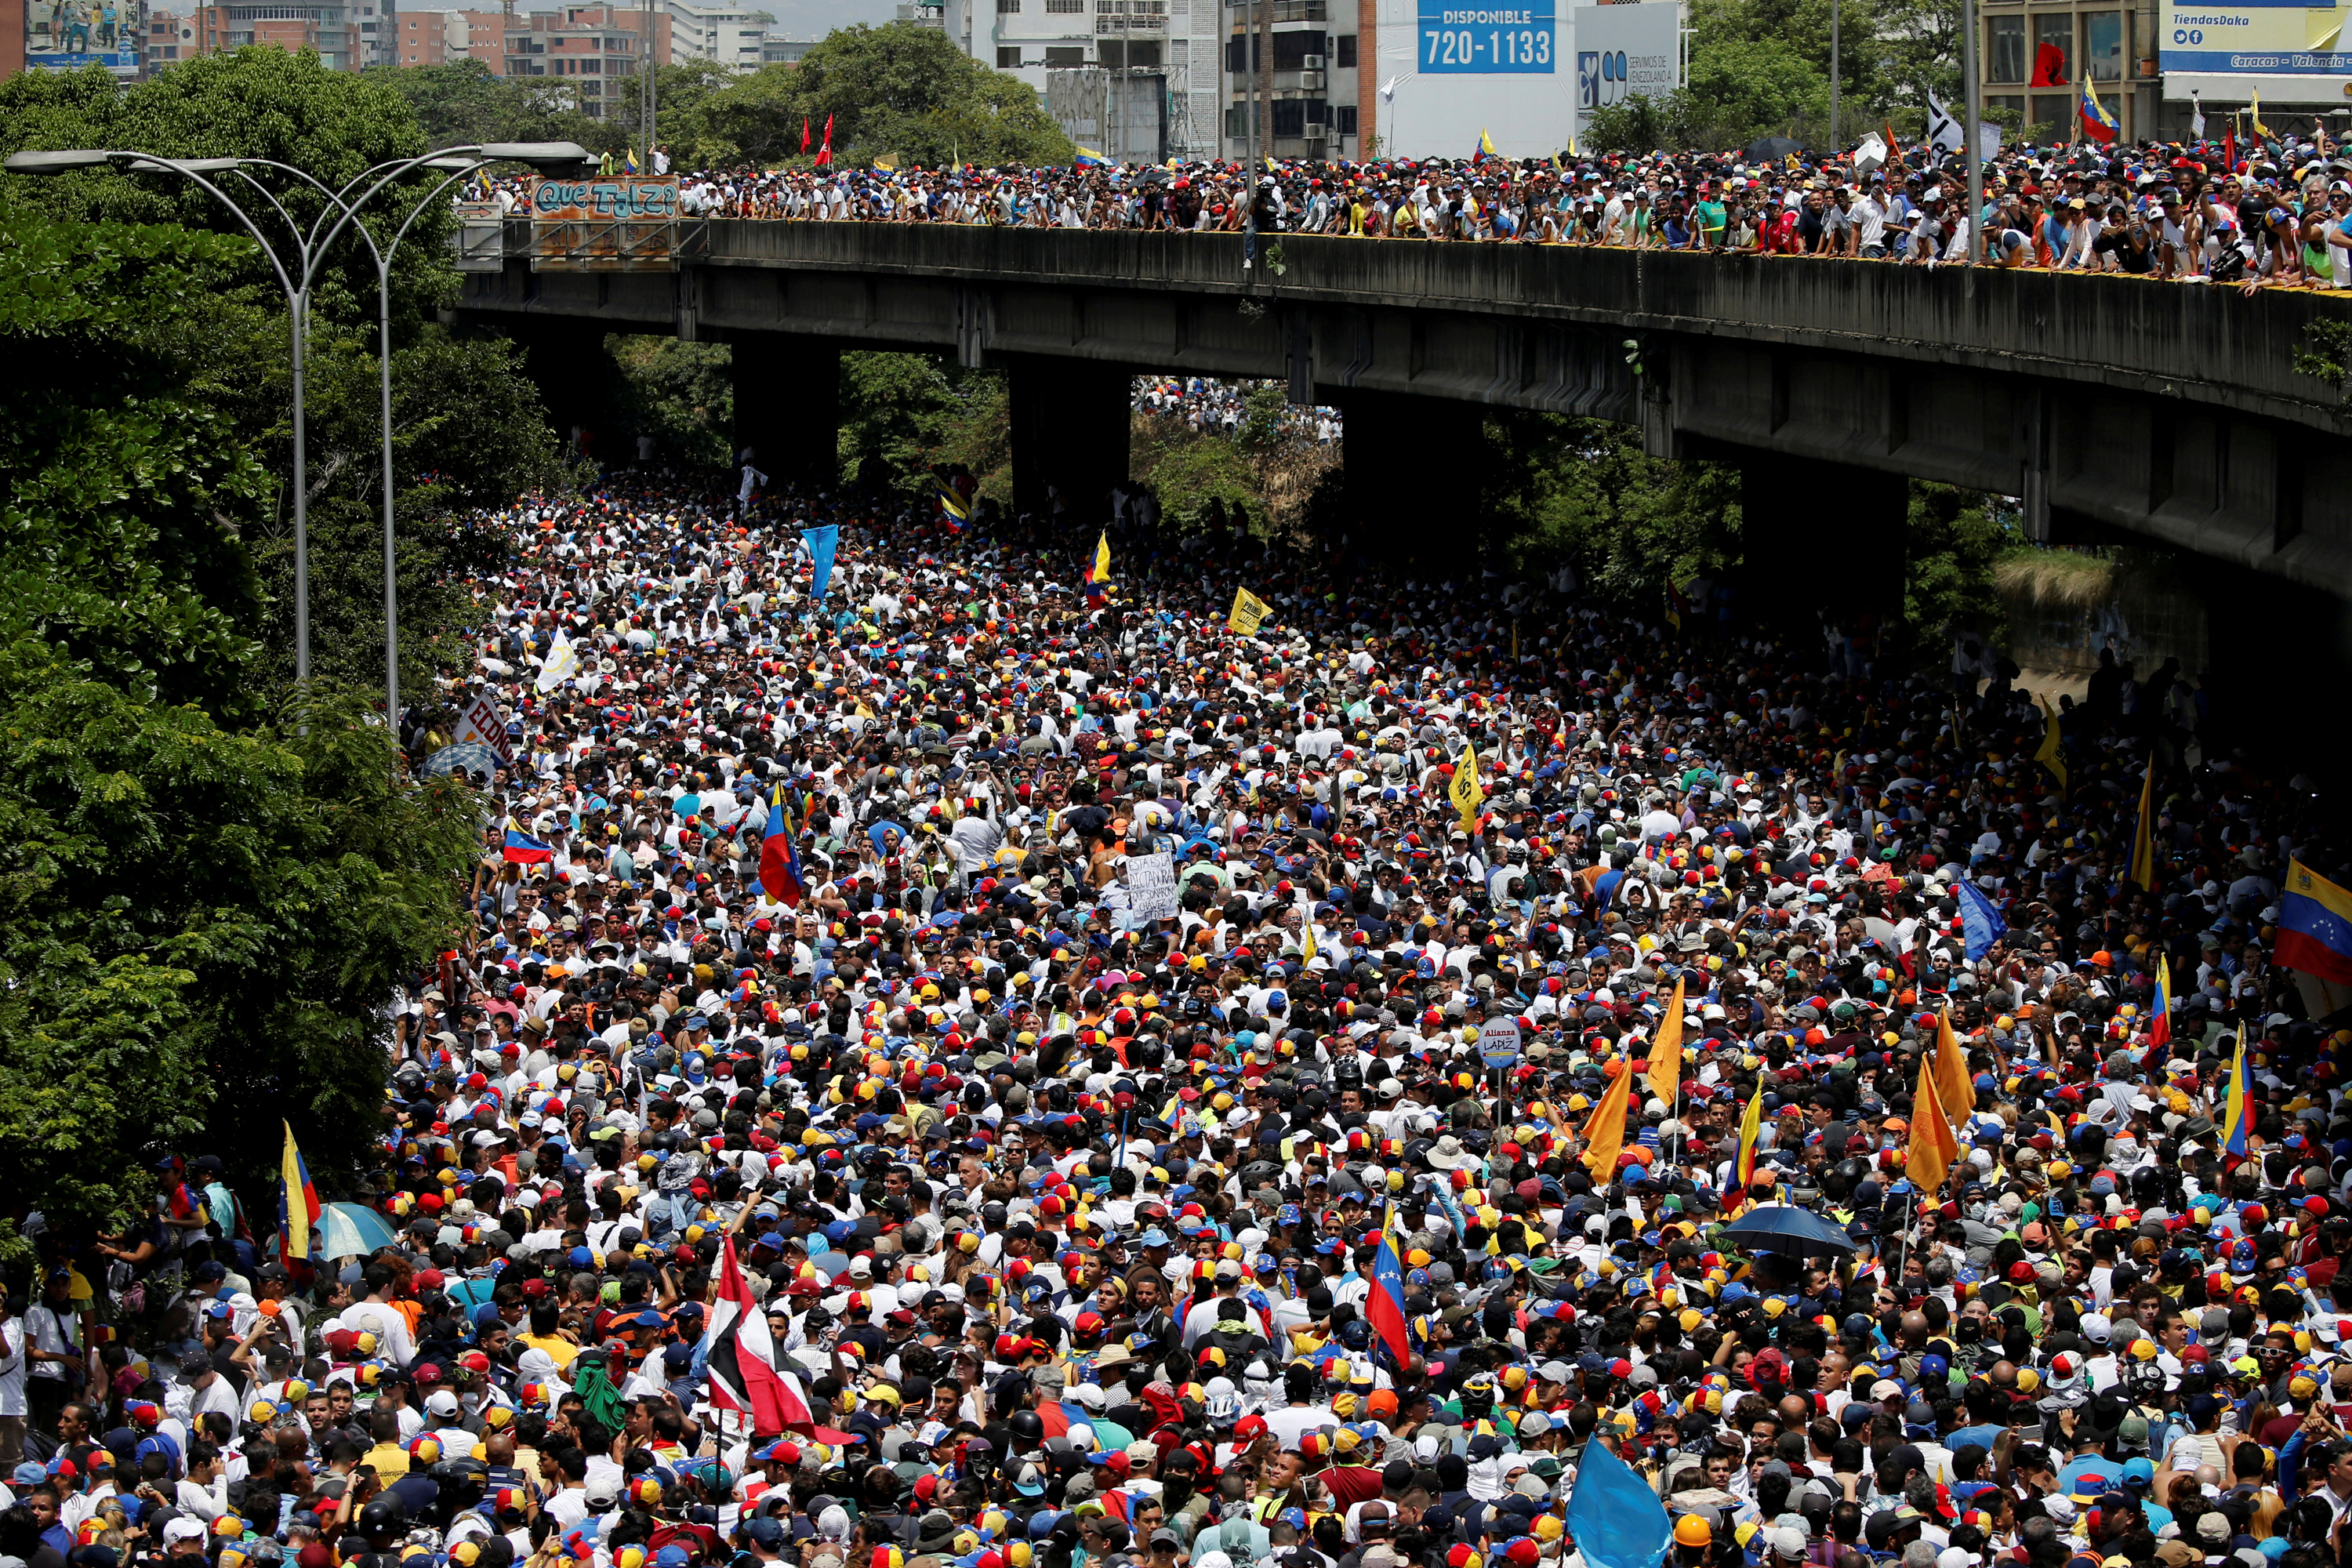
(1129, 114)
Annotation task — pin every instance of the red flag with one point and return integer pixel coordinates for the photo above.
(824, 153)
(2229, 156)
(804, 133)
(741, 1358)
(2049, 67)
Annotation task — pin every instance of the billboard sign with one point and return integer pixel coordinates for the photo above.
(67, 35)
(2255, 38)
(1468, 40)
(638, 197)
(607, 223)
(1622, 51)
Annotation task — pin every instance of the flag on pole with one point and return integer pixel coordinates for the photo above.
(824, 153)
(804, 133)
(2098, 123)
(1097, 577)
(2159, 1006)
(822, 544)
(2237, 1110)
(522, 850)
(740, 1358)
(562, 663)
(1743, 1166)
(1604, 1135)
(1465, 792)
(2051, 752)
(1666, 1050)
(1616, 1521)
(1944, 132)
(2255, 109)
(953, 509)
(298, 1203)
(1981, 923)
(2314, 926)
(780, 866)
(1384, 1305)
(2196, 117)
(2143, 860)
(1485, 146)
(1249, 613)
(1953, 1088)
(1932, 1148)
(1305, 928)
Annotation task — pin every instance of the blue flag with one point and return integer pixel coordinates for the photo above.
(1616, 1521)
(1981, 923)
(821, 544)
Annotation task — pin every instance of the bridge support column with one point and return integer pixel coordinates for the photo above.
(1405, 463)
(788, 407)
(1071, 421)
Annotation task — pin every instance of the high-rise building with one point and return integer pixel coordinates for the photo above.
(347, 37)
(599, 50)
(730, 36)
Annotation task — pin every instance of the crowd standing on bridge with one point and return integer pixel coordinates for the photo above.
(2201, 213)
(841, 1139)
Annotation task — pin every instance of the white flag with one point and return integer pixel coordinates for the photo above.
(561, 664)
(1944, 132)
(2196, 117)
(1388, 91)
(1870, 154)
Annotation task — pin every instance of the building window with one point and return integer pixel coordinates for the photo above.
(1071, 55)
(2051, 119)
(1289, 117)
(2005, 50)
(1346, 117)
(2103, 45)
(1291, 50)
(1345, 49)
(2054, 50)
(1008, 58)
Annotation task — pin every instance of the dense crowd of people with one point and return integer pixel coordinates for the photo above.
(1051, 1027)
(1215, 407)
(2272, 212)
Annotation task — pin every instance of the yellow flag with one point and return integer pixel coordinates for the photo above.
(1953, 1088)
(1249, 613)
(2051, 755)
(1101, 571)
(1306, 930)
(1933, 1148)
(1465, 792)
(1666, 1050)
(1605, 1135)
(2143, 860)
(2260, 129)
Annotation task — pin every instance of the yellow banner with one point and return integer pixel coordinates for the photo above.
(1465, 792)
(1249, 613)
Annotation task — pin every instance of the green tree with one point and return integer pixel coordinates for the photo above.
(682, 395)
(468, 426)
(203, 893)
(897, 89)
(463, 103)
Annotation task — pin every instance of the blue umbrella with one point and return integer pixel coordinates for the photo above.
(469, 756)
(1782, 1228)
(351, 1230)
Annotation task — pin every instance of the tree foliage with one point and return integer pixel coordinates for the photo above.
(680, 393)
(897, 89)
(204, 892)
(463, 102)
(1762, 68)
(468, 426)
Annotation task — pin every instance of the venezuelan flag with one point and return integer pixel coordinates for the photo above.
(2159, 1022)
(1098, 573)
(2315, 929)
(525, 850)
(1485, 146)
(2143, 860)
(1384, 1307)
(1743, 1169)
(298, 1203)
(779, 868)
(2238, 1112)
(1091, 159)
(2098, 123)
(953, 509)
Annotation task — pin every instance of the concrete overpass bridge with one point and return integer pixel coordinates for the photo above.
(2117, 408)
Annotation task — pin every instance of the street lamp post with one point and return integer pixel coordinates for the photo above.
(309, 249)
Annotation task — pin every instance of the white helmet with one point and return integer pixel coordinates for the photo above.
(1225, 1402)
